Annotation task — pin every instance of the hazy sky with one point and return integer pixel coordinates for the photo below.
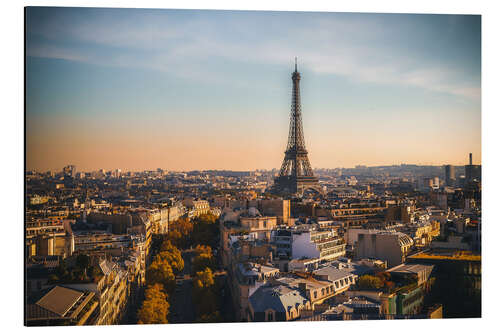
(180, 90)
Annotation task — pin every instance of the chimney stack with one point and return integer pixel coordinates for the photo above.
(470, 158)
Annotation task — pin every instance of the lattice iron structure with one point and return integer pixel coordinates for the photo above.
(296, 173)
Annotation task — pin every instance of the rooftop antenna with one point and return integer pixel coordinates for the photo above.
(295, 63)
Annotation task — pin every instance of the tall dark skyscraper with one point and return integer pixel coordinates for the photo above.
(449, 175)
(296, 174)
(472, 172)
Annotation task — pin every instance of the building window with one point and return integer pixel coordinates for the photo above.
(315, 294)
(270, 316)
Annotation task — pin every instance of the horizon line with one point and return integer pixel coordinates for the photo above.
(254, 170)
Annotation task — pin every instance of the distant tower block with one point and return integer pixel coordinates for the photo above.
(296, 174)
(449, 175)
(472, 172)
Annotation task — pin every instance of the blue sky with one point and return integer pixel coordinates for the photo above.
(184, 89)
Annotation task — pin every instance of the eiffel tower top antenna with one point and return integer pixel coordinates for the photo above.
(295, 63)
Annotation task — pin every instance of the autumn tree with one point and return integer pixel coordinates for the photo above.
(385, 278)
(203, 249)
(170, 254)
(183, 225)
(175, 237)
(203, 259)
(208, 218)
(205, 230)
(370, 282)
(155, 307)
(204, 279)
(180, 232)
(160, 272)
(167, 245)
(204, 296)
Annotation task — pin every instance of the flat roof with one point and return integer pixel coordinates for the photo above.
(253, 269)
(410, 268)
(60, 300)
(305, 260)
(333, 273)
(447, 256)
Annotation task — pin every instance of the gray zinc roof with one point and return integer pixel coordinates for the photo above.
(278, 298)
(333, 273)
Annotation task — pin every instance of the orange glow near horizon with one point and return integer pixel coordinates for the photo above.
(107, 144)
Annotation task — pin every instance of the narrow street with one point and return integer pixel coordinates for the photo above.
(182, 308)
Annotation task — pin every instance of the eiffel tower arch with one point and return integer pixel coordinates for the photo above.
(296, 174)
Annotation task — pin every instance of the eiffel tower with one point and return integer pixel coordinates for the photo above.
(296, 173)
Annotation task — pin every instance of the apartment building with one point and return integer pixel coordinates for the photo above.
(250, 222)
(112, 290)
(159, 220)
(285, 298)
(49, 236)
(196, 207)
(274, 207)
(62, 306)
(388, 246)
(308, 241)
(277, 302)
(247, 278)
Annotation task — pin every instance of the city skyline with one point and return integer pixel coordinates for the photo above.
(241, 170)
(144, 89)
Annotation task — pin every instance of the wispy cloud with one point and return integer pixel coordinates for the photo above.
(55, 52)
(352, 48)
